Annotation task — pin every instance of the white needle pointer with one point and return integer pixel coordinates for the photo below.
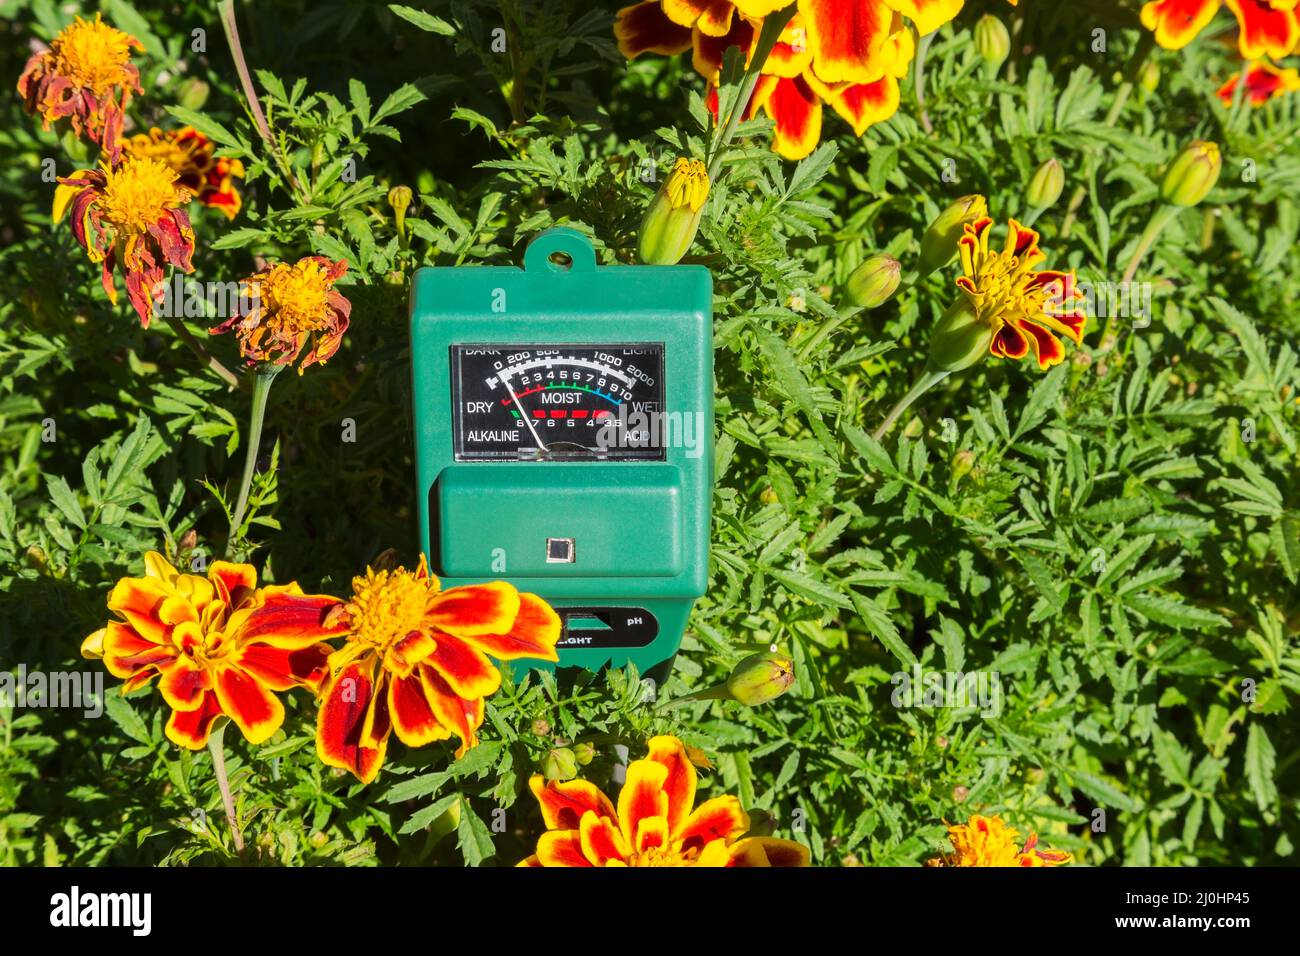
(523, 414)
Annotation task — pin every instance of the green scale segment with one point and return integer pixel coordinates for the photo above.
(564, 440)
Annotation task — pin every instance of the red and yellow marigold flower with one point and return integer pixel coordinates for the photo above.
(1022, 305)
(289, 307)
(86, 76)
(1263, 82)
(846, 53)
(219, 644)
(209, 178)
(416, 662)
(130, 218)
(988, 841)
(1266, 27)
(656, 822)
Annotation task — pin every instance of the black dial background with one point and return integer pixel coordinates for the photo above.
(568, 393)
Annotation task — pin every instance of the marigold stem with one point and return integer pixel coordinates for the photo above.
(1125, 90)
(918, 78)
(1159, 219)
(262, 379)
(773, 24)
(1239, 96)
(217, 747)
(195, 346)
(226, 11)
(924, 382)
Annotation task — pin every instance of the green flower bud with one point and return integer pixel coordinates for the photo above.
(1192, 174)
(1149, 77)
(560, 763)
(192, 93)
(992, 41)
(962, 463)
(673, 216)
(874, 282)
(939, 244)
(399, 197)
(760, 678)
(584, 753)
(959, 340)
(1046, 185)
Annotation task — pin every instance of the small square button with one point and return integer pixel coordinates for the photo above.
(560, 551)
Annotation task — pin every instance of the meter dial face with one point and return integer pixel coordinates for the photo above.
(558, 402)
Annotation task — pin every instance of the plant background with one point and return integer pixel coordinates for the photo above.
(1117, 551)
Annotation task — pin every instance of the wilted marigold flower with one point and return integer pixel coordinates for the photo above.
(988, 841)
(1018, 304)
(219, 644)
(656, 822)
(415, 662)
(1263, 82)
(190, 154)
(130, 217)
(86, 76)
(291, 306)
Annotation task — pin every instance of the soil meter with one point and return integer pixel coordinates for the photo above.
(564, 440)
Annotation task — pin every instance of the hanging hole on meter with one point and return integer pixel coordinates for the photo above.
(561, 260)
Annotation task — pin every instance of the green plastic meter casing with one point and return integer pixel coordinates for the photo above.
(639, 529)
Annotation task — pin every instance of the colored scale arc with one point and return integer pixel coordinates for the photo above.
(578, 388)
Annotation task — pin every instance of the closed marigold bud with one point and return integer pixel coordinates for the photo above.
(939, 244)
(560, 763)
(1046, 185)
(1192, 174)
(541, 726)
(959, 340)
(874, 283)
(399, 197)
(992, 41)
(673, 217)
(760, 678)
(962, 463)
(1149, 77)
(192, 94)
(584, 753)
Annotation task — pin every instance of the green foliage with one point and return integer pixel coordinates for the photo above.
(1118, 539)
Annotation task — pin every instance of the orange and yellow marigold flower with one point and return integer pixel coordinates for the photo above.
(1263, 82)
(1021, 305)
(130, 217)
(988, 841)
(845, 53)
(656, 821)
(415, 662)
(219, 644)
(1266, 27)
(86, 76)
(288, 307)
(209, 178)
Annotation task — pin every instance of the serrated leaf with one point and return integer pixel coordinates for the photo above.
(1104, 793)
(1261, 764)
(882, 628)
(425, 21)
